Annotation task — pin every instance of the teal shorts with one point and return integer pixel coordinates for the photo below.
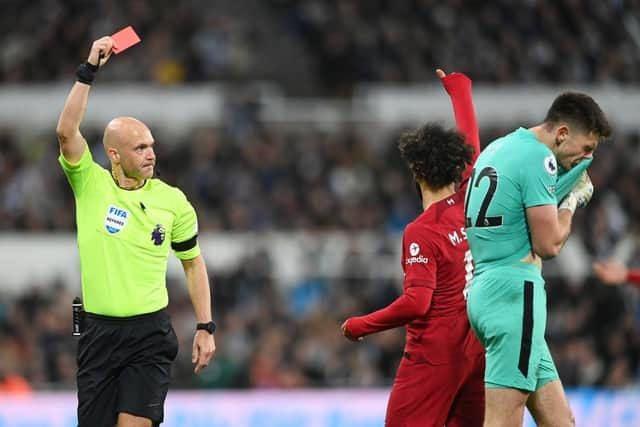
(507, 308)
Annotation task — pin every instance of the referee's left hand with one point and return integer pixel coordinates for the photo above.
(204, 346)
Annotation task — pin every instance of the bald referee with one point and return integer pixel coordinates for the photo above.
(127, 224)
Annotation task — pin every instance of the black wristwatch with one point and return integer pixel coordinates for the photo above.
(209, 327)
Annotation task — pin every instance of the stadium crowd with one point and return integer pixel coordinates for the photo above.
(336, 44)
(499, 41)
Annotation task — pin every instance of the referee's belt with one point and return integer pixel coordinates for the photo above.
(157, 313)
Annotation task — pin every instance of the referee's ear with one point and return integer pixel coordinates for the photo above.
(113, 154)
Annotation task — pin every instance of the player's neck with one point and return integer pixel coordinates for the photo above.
(124, 181)
(431, 196)
(543, 135)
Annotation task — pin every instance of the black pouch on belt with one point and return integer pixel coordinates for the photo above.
(78, 317)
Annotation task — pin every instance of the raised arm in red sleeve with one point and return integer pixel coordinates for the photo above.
(413, 303)
(458, 86)
(633, 276)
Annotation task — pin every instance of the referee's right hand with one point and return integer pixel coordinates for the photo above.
(204, 346)
(101, 50)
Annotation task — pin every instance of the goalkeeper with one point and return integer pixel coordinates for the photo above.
(513, 222)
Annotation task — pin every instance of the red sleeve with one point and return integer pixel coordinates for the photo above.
(414, 302)
(458, 86)
(633, 276)
(420, 266)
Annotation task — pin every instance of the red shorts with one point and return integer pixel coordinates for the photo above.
(427, 395)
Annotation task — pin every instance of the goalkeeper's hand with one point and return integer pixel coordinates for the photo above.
(579, 196)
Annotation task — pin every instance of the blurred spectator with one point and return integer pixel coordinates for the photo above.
(13, 384)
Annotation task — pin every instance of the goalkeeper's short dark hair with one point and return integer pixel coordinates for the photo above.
(580, 110)
(435, 155)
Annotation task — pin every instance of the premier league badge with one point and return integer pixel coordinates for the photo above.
(550, 165)
(157, 235)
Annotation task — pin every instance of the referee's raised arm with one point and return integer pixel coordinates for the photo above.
(72, 143)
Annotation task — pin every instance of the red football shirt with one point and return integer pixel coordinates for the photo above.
(436, 255)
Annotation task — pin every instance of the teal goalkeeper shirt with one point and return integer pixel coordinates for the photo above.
(513, 173)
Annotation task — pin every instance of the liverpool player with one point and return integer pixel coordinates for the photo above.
(440, 378)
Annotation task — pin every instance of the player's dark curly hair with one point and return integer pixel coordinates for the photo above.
(435, 155)
(580, 110)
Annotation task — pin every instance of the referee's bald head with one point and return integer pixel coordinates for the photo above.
(123, 130)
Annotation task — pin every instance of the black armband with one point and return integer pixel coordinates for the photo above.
(86, 73)
(186, 245)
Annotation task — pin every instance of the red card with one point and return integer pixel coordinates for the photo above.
(124, 39)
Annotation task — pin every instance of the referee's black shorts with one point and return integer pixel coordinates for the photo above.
(124, 365)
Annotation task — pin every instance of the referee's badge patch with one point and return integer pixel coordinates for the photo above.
(157, 235)
(550, 165)
(116, 219)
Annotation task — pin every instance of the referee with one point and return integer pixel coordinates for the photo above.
(127, 224)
